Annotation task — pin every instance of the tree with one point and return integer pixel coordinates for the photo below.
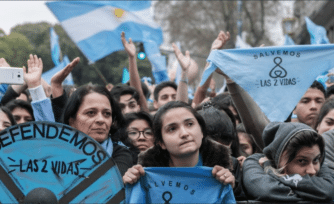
(196, 23)
(15, 48)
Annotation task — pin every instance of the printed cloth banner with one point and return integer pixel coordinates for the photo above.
(96, 26)
(55, 48)
(72, 165)
(318, 33)
(179, 185)
(275, 77)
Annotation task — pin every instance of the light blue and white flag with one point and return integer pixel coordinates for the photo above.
(96, 26)
(49, 74)
(179, 185)
(288, 40)
(318, 33)
(275, 77)
(158, 61)
(125, 76)
(55, 48)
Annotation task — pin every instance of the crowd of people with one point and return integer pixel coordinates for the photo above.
(262, 160)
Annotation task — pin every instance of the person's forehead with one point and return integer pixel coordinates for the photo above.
(126, 98)
(167, 91)
(314, 93)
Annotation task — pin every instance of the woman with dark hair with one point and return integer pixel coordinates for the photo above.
(21, 110)
(92, 110)
(6, 118)
(139, 133)
(291, 168)
(181, 141)
(220, 128)
(325, 120)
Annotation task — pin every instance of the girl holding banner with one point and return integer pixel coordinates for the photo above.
(180, 141)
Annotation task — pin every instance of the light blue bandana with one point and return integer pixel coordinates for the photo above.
(275, 77)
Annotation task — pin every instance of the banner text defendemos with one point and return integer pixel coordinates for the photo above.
(50, 131)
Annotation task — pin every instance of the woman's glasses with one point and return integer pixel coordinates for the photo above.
(135, 134)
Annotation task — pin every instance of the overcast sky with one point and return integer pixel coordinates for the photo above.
(13, 13)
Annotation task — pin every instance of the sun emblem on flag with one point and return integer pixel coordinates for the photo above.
(119, 12)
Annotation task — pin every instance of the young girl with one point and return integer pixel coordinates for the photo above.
(291, 168)
(138, 133)
(180, 141)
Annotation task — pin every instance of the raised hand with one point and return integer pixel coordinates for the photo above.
(34, 74)
(3, 63)
(221, 40)
(129, 47)
(60, 76)
(184, 60)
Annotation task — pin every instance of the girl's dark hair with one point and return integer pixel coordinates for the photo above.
(241, 128)
(21, 104)
(325, 109)
(157, 124)
(304, 139)
(218, 125)
(129, 118)
(75, 101)
(9, 114)
(233, 137)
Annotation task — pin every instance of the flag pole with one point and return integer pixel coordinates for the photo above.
(99, 73)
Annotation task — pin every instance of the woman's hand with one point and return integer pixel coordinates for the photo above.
(184, 60)
(262, 160)
(241, 160)
(59, 77)
(221, 40)
(33, 77)
(132, 175)
(223, 175)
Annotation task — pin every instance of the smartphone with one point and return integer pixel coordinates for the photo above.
(11, 75)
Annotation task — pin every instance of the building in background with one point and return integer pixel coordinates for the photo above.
(320, 12)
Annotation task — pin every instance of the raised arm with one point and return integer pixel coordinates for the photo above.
(250, 113)
(33, 77)
(135, 82)
(185, 62)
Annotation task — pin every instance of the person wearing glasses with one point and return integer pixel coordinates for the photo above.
(138, 132)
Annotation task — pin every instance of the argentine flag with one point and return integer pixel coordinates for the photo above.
(96, 26)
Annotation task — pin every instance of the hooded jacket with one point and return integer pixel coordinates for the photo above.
(272, 187)
(329, 148)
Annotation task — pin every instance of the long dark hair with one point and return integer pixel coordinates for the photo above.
(75, 101)
(325, 109)
(9, 114)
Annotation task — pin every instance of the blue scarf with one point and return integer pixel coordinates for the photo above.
(108, 146)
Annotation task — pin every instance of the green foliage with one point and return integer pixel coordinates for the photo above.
(15, 48)
(37, 41)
